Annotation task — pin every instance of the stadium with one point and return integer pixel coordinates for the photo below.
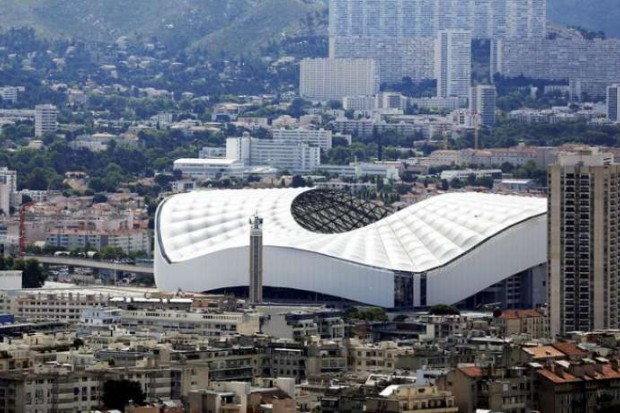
(454, 248)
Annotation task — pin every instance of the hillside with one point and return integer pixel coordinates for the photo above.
(593, 15)
(241, 24)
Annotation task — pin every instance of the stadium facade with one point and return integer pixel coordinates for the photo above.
(446, 249)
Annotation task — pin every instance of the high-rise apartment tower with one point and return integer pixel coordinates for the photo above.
(613, 102)
(453, 63)
(584, 253)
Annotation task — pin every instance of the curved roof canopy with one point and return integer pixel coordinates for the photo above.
(424, 236)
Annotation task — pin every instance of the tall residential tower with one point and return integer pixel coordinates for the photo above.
(584, 256)
(453, 63)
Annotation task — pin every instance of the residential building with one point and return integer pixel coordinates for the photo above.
(613, 102)
(130, 240)
(560, 59)
(495, 389)
(406, 398)
(578, 386)
(58, 306)
(482, 102)
(210, 152)
(45, 119)
(281, 154)
(297, 325)
(313, 137)
(380, 357)
(533, 323)
(9, 94)
(453, 63)
(9, 197)
(213, 168)
(333, 79)
(399, 34)
(185, 322)
(359, 103)
(583, 264)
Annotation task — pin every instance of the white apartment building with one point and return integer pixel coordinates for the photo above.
(55, 306)
(130, 240)
(314, 137)
(589, 65)
(398, 34)
(424, 18)
(208, 168)
(359, 103)
(9, 94)
(210, 152)
(205, 324)
(333, 79)
(10, 280)
(396, 57)
(453, 63)
(45, 119)
(289, 155)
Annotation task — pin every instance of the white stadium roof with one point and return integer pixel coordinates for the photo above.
(424, 236)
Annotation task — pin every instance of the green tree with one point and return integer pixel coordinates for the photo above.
(118, 393)
(33, 275)
(298, 182)
(443, 309)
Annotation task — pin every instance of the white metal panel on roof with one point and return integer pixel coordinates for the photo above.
(424, 236)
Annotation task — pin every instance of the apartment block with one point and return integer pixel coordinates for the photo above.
(584, 194)
(333, 79)
(45, 119)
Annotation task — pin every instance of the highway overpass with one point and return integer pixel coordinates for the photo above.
(95, 264)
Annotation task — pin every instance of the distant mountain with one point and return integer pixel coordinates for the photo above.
(594, 15)
(240, 24)
(237, 26)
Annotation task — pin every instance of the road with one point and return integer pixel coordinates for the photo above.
(102, 265)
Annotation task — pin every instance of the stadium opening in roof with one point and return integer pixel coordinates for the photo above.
(456, 248)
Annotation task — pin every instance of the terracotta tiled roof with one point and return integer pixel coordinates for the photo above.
(471, 371)
(543, 352)
(570, 349)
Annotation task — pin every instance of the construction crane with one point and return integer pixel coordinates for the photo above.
(22, 228)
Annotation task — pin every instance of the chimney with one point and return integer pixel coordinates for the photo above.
(558, 370)
(589, 368)
(600, 365)
(576, 369)
(614, 364)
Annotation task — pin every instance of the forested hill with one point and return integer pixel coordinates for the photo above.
(242, 25)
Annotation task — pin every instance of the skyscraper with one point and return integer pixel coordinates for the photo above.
(45, 119)
(453, 63)
(256, 260)
(584, 259)
(482, 101)
(613, 102)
